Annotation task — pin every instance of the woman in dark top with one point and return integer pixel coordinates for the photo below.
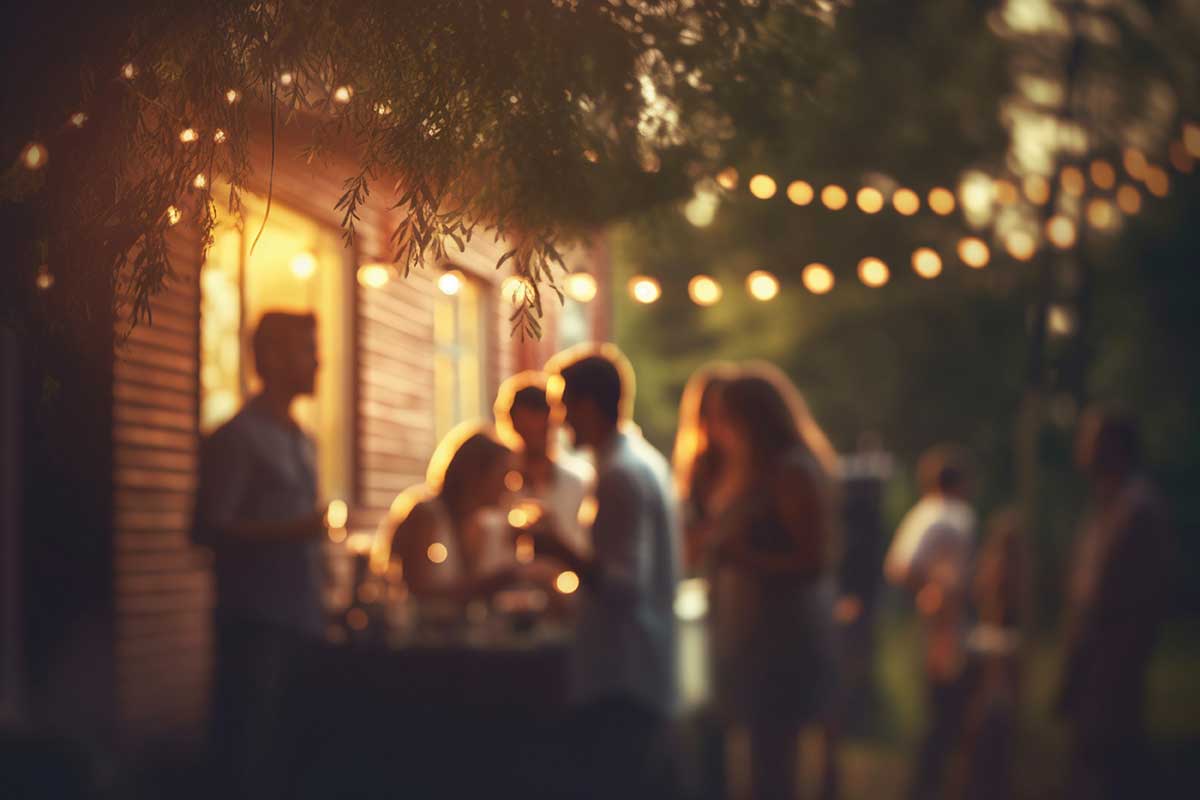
(772, 583)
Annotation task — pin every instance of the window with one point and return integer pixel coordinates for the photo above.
(458, 362)
(297, 265)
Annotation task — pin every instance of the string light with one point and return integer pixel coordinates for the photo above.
(44, 279)
(704, 291)
(188, 135)
(727, 179)
(941, 201)
(834, 197)
(1037, 189)
(1100, 214)
(1020, 245)
(873, 272)
(303, 265)
(1157, 181)
(128, 71)
(1135, 162)
(762, 186)
(581, 287)
(1061, 231)
(200, 181)
(926, 262)
(78, 119)
(566, 582)
(644, 289)
(373, 276)
(1006, 192)
(232, 96)
(1072, 180)
(817, 278)
(286, 79)
(869, 200)
(1129, 199)
(762, 285)
(515, 289)
(1180, 158)
(34, 156)
(906, 202)
(174, 215)
(800, 192)
(1191, 139)
(450, 283)
(219, 136)
(1103, 174)
(974, 252)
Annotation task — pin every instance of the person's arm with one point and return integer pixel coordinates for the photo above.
(226, 466)
(804, 512)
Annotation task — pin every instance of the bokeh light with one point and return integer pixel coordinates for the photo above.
(1100, 214)
(450, 283)
(1157, 181)
(336, 514)
(906, 202)
(926, 262)
(219, 136)
(762, 285)
(1061, 231)
(173, 215)
(200, 181)
(1006, 192)
(1020, 244)
(941, 201)
(567, 582)
(1103, 174)
(644, 289)
(728, 178)
(763, 187)
(834, 197)
(869, 200)
(188, 135)
(800, 192)
(78, 119)
(873, 272)
(581, 287)
(1180, 158)
(817, 278)
(974, 252)
(1129, 199)
(514, 481)
(34, 155)
(1060, 320)
(1134, 161)
(303, 265)
(437, 552)
(232, 96)
(515, 289)
(1072, 180)
(1037, 189)
(1191, 139)
(342, 94)
(373, 276)
(704, 290)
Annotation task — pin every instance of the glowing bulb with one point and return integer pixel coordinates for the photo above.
(437, 552)
(1135, 163)
(450, 283)
(383, 109)
(1103, 174)
(763, 187)
(173, 215)
(873, 272)
(1180, 158)
(1037, 189)
(728, 179)
(1157, 181)
(645, 290)
(1129, 199)
(286, 79)
(518, 518)
(188, 135)
(704, 291)
(200, 181)
(1061, 231)
(834, 197)
(336, 514)
(869, 200)
(34, 155)
(817, 278)
(974, 252)
(1006, 192)
(906, 202)
(926, 262)
(762, 285)
(1191, 139)
(1072, 180)
(1020, 245)
(373, 276)
(1100, 214)
(304, 265)
(581, 287)
(566, 582)
(78, 119)
(129, 71)
(516, 289)
(219, 136)
(232, 96)
(800, 192)
(941, 201)
(342, 94)
(44, 279)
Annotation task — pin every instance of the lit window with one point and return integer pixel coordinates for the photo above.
(458, 361)
(237, 288)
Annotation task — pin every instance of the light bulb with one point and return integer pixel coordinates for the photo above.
(762, 285)
(817, 278)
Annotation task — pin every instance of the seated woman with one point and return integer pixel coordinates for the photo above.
(444, 540)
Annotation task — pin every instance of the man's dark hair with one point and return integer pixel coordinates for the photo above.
(943, 468)
(595, 378)
(275, 329)
(531, 398)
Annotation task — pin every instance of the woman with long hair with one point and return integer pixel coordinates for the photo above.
(772, 580)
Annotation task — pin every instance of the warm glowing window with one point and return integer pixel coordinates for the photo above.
(298, 265)
(458, 361)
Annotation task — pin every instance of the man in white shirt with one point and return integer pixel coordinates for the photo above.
(623, 665)
(931, 557)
